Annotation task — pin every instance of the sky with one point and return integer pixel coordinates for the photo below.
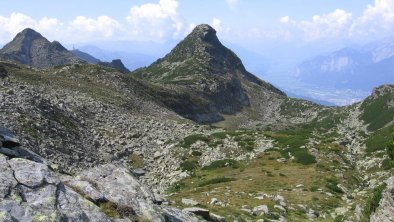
(250, 23)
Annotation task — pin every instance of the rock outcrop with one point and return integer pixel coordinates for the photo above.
(31, 191)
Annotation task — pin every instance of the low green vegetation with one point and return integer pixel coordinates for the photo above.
(377, 113)
(216, 181)
(373, 202)
(189, 140)
(332, 185)
(116, 211)
(390, 148)
(189, 165)
(221, 164)
(291, 142)
(379, 139)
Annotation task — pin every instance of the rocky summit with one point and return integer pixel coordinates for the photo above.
(207, 79)
(31, 48)
(84, 142)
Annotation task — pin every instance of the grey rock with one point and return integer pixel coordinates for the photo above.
(260, 210)
(204, 213)
(8, 139)
(7, 180)
(139, 172)
(385, 211)
(87, 189)
(216, 218)
(311, 214)
(73, 207)
(24, 153)
(120, 187)
(189, 202)
(172, 214)
(10, 211)
(29, 173)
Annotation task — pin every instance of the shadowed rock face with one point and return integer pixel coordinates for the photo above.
(207, 79)
(31, 48)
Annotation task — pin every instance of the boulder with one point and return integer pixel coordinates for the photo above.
(189, 202)
(7, 180)
(260, 210)
(204, 213)
(29, 173)
(121, 188)
(7, 138)
(172, 214)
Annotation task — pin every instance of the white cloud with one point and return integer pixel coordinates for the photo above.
(284, 19)
(16, 22)
(155, 21)
(332, 25)
(377, 20)
(216, 24)
(232, 3)
(102, 26)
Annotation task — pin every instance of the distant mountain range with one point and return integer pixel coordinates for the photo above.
(351, 68)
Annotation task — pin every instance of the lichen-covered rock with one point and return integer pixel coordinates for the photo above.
(73, 207)
(121, 188)
(29, 173)
(7, 180)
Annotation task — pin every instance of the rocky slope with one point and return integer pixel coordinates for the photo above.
(31, 48)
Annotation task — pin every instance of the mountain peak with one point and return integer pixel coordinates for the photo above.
(31, 48)
(204, 32)
(209, 77)
(28, 32)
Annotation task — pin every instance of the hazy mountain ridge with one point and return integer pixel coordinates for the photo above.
(355, 69)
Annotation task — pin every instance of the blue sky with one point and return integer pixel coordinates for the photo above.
(239, 21)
